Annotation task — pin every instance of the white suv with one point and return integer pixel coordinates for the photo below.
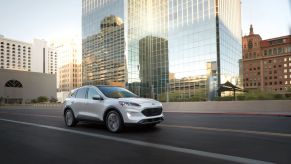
(115, 106)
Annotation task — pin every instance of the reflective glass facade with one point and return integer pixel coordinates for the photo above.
(192, 49)
(147, 47)
(170, 50)
(103, 42)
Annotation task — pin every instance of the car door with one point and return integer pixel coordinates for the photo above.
(71, 102)
(95, 108)
(80, 103)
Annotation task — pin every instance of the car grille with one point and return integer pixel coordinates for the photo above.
(151, 120)
(152, 111)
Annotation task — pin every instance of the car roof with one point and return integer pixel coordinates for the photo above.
(106, 86)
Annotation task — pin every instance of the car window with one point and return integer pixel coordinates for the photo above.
(92, 92)
(74, 93)
(81, 93)
(116, 92)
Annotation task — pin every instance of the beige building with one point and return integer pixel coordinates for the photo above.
(69, 74)
(15, 54)
(23, 56)
(23, 86)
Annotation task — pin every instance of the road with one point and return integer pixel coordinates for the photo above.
(40, 136)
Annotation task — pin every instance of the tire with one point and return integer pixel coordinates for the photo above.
(114, 122)
(70, 119)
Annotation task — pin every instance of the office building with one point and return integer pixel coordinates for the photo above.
(44, 57)
(69, 72)
(266, 63)
(171, 50)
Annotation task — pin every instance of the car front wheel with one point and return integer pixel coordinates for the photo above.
(70, 119)
(114, 122)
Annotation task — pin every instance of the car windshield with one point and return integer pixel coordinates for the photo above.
(116, 92)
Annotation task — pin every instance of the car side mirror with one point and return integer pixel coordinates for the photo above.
(97, 97)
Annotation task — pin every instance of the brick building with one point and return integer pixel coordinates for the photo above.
(266, 63)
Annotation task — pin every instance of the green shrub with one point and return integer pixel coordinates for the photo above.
(42, 99)
(241, 97)
(225, 98)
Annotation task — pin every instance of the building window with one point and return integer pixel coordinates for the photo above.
(13, 83)
(279, 50)
(275, 51)
(270, 52)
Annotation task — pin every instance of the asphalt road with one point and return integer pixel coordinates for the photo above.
(40, 136)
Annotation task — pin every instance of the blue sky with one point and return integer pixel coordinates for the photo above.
(46, 19)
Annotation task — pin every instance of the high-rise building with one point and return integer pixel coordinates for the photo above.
(34, 57)
(69, 75)
(153, 69)
(103, 54)
(203, 32)
(171, 50)
(266, 63)
(44, 57)
(15, 55)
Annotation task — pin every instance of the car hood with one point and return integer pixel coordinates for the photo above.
(139, 100)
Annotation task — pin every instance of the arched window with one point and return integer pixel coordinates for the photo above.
(13, 83)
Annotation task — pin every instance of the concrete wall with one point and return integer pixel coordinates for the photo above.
(269, 107)
(252, 107)
(34, 84)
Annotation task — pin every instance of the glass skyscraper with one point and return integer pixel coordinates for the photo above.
(170, 50)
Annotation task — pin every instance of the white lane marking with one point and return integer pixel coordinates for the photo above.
(147, 144)
(229, 130)
(184, 127)
(25, 114)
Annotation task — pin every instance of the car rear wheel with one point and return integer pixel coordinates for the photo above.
(70, 119)
(114, 122)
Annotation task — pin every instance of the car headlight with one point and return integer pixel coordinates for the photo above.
(124, 103)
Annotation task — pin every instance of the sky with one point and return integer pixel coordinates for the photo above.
(270, 18)
(50, 19)
(42, 19)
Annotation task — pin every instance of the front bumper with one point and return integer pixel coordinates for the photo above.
(151, 121)
(134, 116)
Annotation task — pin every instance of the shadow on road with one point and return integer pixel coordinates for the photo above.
(128, 129)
